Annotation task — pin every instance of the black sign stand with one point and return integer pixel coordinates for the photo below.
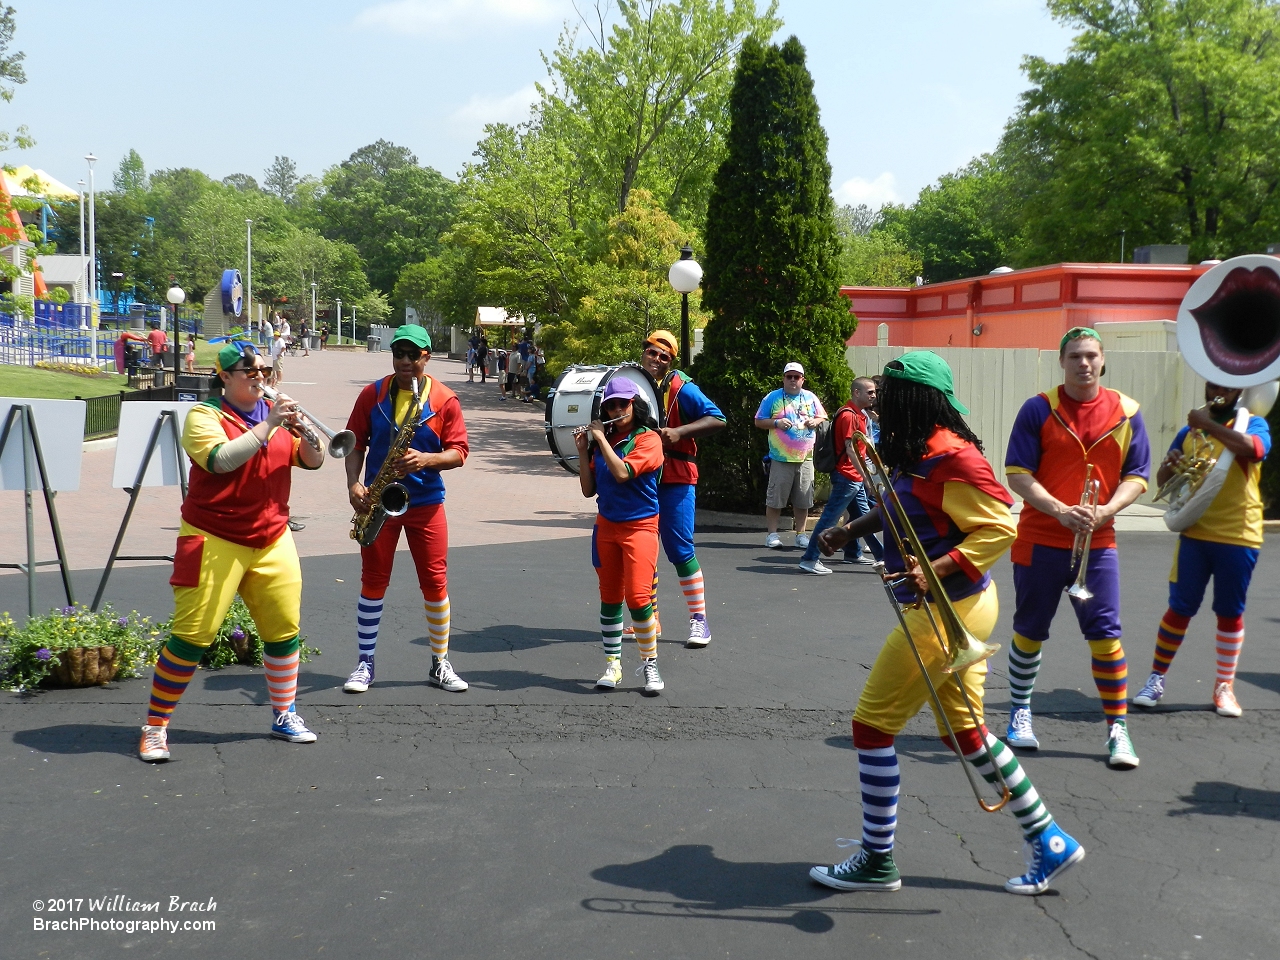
(32, 460)
(169, 417)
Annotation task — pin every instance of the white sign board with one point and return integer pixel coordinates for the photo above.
(60, 427)
(137, 419)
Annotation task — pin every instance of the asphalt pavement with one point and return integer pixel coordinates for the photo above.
(534, 816)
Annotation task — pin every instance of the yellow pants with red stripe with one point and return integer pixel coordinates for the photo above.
(895, 691)
(208, 572)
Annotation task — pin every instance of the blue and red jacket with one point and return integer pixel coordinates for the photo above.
(442, 428)
(684, 403)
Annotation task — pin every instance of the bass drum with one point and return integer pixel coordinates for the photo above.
(574, 401)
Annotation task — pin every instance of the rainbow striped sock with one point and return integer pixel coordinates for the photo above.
(653, 597)
(1230, 639)
(1111, 677)
(438, 627)
(1169, 637)
(168, 684)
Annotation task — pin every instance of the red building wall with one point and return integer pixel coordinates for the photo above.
(1024, 308)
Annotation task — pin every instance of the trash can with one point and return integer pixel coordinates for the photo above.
(196, 388)
(373, 344)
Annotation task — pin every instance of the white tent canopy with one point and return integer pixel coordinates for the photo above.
(497, 317)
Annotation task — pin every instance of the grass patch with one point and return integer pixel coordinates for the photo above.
(16, 381)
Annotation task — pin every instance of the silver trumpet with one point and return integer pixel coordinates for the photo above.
(1080, 549)
(341, 442)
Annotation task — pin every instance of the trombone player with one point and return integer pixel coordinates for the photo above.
(953, 507)
(438, 443)
(1223, 543)
(1062, 441)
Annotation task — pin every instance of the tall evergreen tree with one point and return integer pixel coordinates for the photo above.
(772, 266)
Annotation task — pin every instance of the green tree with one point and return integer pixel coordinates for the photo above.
(11, 75)
(772, 262)
(131, 175)
(281, 179)
(642, 105)
(871, 257)
(1161, 122)
(960, 227)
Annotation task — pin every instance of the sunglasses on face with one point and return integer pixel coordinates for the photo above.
(658, 354)
(405, 353)
(252, 373)
(793, 376)
(615, 404)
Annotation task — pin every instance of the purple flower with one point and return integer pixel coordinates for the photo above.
(122, 622)
(237, 634)
(43, 653)
(68, 611)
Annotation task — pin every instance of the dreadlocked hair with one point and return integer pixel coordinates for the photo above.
(909, 413)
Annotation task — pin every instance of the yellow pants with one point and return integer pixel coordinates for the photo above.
(208, 572)
(895, 691)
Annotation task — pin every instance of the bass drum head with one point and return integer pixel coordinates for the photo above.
(575, 399)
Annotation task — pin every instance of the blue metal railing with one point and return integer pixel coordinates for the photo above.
(27, 347)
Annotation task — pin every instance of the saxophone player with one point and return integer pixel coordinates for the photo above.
(1224, 543)
(438, 443)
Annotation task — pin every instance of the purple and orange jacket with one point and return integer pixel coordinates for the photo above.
(958, 509)
(1042, 445)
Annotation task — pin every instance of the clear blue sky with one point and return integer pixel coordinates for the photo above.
(908, 90)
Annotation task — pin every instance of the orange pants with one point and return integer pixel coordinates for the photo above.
(625, 556)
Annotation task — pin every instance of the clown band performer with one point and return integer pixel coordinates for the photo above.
(1223, 544)
(620, 463)
(961, 514)
(439, 443)
(1056, 437)
(234, 539)
(688, 414)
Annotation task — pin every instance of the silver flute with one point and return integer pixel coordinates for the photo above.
(579, 431)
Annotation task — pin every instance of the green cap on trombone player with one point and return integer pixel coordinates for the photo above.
(926, 367)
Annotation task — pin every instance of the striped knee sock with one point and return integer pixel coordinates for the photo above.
(1111, 677)
(1169, 637)
(169, 682)
(646, 623)
(368, 619)
(1230, 639)
(1033, 816)
(1024, 665)
(691, 584)
(611, 628)
(280, 662)
(653, 597)
(879, 780)
(438, 626)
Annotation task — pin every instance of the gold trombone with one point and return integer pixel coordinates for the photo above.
(1084, 538)
(960, 646)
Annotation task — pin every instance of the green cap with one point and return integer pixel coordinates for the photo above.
(232, 353)
(926, 367)
(1078, 333)
(414, 334)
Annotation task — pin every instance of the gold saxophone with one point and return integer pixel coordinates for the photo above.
(388, 496)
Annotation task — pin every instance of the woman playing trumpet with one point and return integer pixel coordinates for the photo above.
(620, 460)
(960, 512)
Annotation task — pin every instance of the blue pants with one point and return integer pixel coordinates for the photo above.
(1038, 588)
(1195, 561)
(845, 495)
(677, 506)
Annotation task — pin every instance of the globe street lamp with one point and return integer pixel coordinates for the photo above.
(684, 277)
(93, 272)
(175, 296)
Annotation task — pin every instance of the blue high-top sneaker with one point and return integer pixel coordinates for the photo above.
(1047, 854)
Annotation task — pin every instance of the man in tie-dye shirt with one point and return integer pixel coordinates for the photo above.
(790, 415)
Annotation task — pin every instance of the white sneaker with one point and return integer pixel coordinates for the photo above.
(442, 676)
(653, 684)
(1224, 700)
(802, 541)
(816, 567)
(772, 541)
(612, 674)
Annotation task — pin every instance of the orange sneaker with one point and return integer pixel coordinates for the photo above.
(1224, 700)
(154, 747)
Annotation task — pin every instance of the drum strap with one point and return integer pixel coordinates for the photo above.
(680, 455)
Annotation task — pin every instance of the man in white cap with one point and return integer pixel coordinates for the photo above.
(790, 415)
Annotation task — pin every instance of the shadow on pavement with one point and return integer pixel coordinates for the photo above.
(709, 888)
(1217, 798)
(509, 638)
(80, 738)
(1264, 681)
(504, 680)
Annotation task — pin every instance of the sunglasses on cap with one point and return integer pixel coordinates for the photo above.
(407, 353)
(658, 354)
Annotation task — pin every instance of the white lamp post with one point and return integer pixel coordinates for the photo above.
(339, 306)
(84, 280)
(175, 296)
(313, 307)
(248, 273)
(684, 277)
(93, 272)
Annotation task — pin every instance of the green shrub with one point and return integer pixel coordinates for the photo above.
(28, 656)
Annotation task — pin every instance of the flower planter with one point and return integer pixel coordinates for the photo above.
(243, 646)
(84, 667)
